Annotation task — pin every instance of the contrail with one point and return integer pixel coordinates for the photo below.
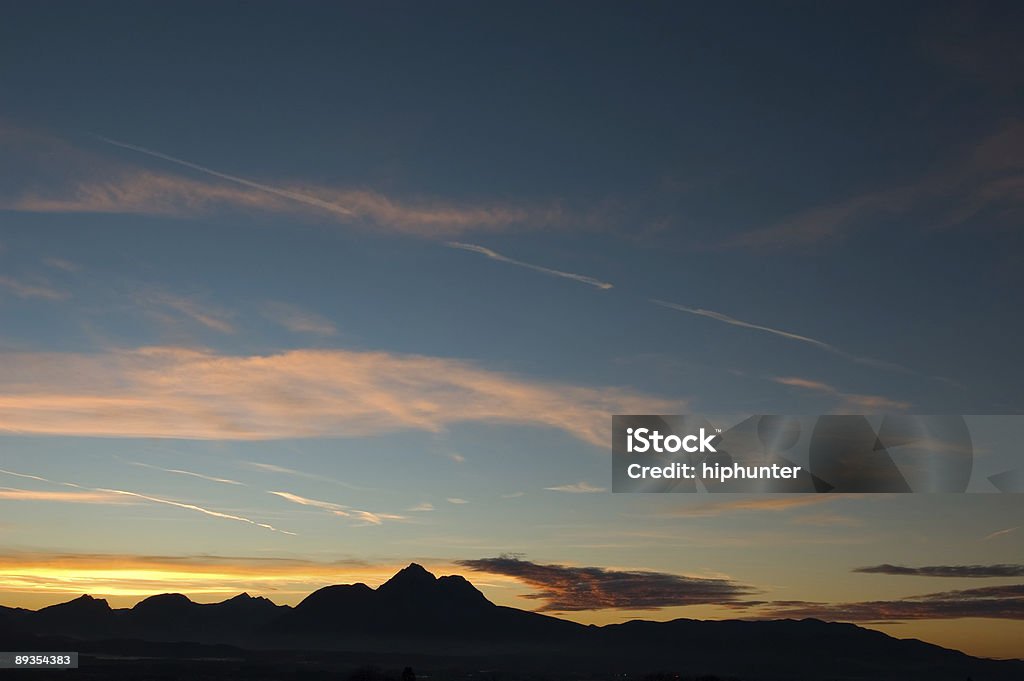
(193, 507)
(284, 193)
(828, 347)
(179, 471)
(336, 509)
(155, 500)
(590, 281)
(1000, 533)
(339, 509)
(40, 479)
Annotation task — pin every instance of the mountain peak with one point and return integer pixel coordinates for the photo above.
(83, 602)
(243, 597)
(412, 577)
(415, 569)
(163, 601)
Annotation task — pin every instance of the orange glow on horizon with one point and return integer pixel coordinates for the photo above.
(34, 581)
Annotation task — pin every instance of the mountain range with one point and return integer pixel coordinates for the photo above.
(416, 613)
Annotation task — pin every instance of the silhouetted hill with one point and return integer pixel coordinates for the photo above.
(448, 621)
(83, 614)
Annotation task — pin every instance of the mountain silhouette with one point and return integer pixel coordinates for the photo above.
(447, 618)
(413, 606)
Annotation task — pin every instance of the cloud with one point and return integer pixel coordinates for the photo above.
(206, 315)
(828, 520)
(457, 501)
(1004, 570)
(726, 319)
(12, 494)
(761, 504)
(986, 179)
(174, 392)
(282, 193)
(298, 320)
(80, 181)
(422, 508)
(850, 401)
(62, 264)
(566, 588)
(376, 518)
(23, 289)
(577, 488)
(1000, 533)
(590, 281)
(1000, 602)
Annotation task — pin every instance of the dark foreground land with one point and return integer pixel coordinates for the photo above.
(446, 630)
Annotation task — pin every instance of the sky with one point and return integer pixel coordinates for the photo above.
(293, 296)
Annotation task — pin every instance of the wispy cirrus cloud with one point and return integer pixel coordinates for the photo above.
(198, 394)
(79, 497)
(25, 289)
(62, 264)
(849, 401)
(577, 488)
(1000, 533)
(494, 255)
(371, 518)
(298, 197)
(80, 181)
(776, 503)
(567, 588)
(999, 602)
(297, 320)
(987, 178)
(976, 571)
(210, 316)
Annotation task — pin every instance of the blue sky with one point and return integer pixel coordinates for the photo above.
(230, 238)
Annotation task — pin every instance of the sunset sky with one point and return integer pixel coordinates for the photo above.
(295, 295)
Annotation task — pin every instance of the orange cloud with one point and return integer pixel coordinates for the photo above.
(79, 181)
(851, 402)
(24, 289)
(186, 393)
(987, 176)
(772, 504)
(84, 497)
